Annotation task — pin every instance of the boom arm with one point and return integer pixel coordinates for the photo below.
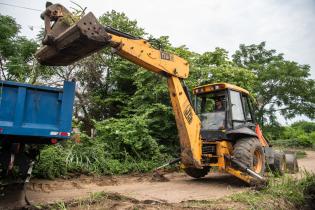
(140, 52)
(64, 44)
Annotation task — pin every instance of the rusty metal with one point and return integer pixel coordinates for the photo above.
(54, 21)
(64, 44)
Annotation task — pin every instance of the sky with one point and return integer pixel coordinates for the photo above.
(287, 26)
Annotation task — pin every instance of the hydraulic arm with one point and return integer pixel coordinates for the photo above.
(65, 43)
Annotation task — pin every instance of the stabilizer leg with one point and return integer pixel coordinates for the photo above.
(244, 173)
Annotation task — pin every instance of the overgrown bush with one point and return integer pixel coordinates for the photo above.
(127, 137)
(120, 146)
(52, 162)
(299, 134)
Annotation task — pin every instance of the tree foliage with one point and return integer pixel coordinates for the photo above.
(282, 86)
(299, 134)
(212, 67)
(16, 54)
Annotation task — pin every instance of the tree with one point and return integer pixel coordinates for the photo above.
(282, 86)
(211, 67)
(105, 81)
(16, 54)
(307, 127)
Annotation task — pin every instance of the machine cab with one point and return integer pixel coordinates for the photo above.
(222, 107)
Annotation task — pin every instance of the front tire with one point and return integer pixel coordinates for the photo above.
(250, 152)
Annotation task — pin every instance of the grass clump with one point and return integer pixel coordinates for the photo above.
(300, 154)
(281, 193)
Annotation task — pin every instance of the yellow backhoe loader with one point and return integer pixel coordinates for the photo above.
(218, 129)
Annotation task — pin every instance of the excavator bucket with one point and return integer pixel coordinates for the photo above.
(64, 43)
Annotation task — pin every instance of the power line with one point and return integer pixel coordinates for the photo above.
(12, 5)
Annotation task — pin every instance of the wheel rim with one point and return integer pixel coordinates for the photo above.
(257, 161)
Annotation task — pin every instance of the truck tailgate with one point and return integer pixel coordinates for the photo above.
(36, 111)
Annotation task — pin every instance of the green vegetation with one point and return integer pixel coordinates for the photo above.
(300, 154)
(282, 86)
(16, 54)
(284, 192)
(300, 135)
(129, 107)
(118, 149)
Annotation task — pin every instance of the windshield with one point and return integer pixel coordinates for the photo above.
(212, 120)
(211, 110)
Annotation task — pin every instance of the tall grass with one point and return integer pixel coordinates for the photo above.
(281, 193)
(91, 156)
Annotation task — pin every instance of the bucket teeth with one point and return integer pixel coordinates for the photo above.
(76, 42)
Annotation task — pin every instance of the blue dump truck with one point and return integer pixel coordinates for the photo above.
(30, 116)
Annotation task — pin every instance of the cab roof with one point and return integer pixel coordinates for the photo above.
(218, 86)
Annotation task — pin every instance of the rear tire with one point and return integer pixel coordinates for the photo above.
(197, 173)
(250, 152)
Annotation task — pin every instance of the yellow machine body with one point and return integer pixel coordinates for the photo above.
(218, 86)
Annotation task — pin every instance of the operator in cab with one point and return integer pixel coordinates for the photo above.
(219, 105)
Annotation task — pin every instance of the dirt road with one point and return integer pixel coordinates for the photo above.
(308, 163)
(180, 187)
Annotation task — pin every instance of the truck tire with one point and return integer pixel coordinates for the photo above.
(250, 152)
(279, 167)
(197, 173)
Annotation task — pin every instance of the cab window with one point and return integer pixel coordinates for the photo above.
(210, 103)
(211, 110)
(238, 116)
(247, 109)
(206, 104)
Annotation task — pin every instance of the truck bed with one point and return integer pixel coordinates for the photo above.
(35, 112)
